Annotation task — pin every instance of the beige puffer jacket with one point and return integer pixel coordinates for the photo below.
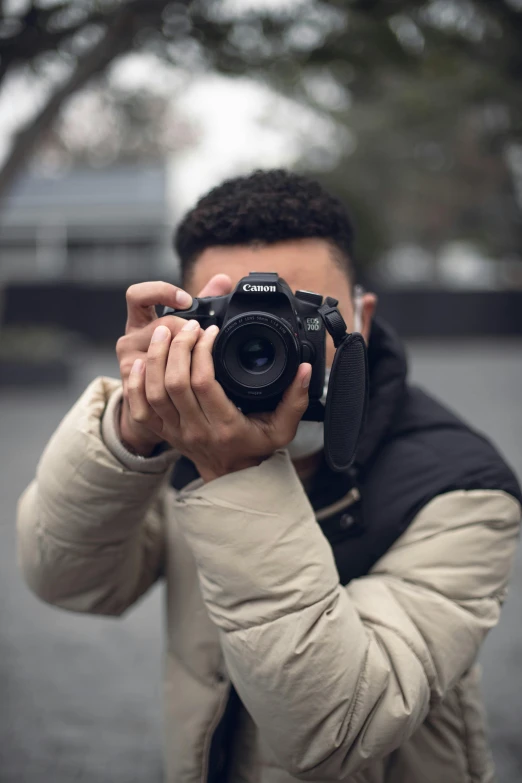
(372, 683)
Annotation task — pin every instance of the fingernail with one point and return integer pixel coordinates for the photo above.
(212, 330)
(305, 383)
(137, 367)
(183, 299)
(190, 326)
(160, 333)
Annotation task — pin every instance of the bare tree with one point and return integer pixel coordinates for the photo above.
(188, 34)
(408, 69)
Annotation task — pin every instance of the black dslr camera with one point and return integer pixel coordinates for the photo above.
(265, 332)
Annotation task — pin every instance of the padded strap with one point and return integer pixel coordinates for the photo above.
(346, 402)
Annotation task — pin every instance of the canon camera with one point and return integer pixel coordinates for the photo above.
(266, 331)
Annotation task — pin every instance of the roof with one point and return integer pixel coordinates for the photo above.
(85, 191)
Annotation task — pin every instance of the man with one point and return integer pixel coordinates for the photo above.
(321, 626)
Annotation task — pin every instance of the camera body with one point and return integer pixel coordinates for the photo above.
(266, 331)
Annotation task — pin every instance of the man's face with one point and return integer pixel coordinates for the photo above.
(304, 263)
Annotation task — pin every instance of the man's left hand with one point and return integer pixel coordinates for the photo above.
(175, 393)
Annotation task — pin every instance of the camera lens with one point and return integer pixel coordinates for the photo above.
(256, 355)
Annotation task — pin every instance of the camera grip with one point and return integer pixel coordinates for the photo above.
(346, 402)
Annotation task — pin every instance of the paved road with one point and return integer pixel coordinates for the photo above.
(81, 696)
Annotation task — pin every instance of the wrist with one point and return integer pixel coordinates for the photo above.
(135, 442)
(210, 473)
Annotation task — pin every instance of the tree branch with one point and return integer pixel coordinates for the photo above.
(34, 38)
(117, 39)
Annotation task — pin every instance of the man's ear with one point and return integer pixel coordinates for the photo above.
(369, 304)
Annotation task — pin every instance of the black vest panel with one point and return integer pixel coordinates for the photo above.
(428, 451)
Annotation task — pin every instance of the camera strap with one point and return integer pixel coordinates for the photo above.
(347, 397)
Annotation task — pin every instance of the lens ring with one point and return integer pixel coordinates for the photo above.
(240, 382)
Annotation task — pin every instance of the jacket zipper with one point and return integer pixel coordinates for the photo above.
(351, 497)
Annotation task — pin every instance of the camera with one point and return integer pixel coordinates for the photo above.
(266, 331)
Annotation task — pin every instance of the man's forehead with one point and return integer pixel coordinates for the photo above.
(305, 263)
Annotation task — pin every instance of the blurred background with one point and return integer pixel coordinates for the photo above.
(115, 115)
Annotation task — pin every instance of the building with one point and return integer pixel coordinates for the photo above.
(111, 225)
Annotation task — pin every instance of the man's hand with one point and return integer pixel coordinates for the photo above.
(175, 395)
(141, 322)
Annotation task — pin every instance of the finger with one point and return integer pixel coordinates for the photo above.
(213, 401)
(135, 345)
(219, 285)
(177, 373)
(290, 410)
(157, 357)
(142, 297)
(138, 340)
(138, 405)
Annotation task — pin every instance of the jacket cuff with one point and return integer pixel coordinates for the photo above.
(110, 430)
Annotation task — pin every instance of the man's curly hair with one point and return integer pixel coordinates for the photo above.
(265, 207)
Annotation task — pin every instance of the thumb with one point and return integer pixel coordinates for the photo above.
(219, 285)
(290, 410)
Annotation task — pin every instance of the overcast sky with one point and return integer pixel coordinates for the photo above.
(239, 124)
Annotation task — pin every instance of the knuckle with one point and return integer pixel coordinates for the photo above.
(155, 357)
(158, 352)
(126, 366)
(178, 343)
(156, 396)
(175, 385)
(224, 435)
(132, 384)
(163, 288)
(188, 335)
(131, 292)
(170, 321)
(181, 339)
(167, 288)
(121, 345)
(194, 437)
(141, 416)
(301, 405)
(201, 383)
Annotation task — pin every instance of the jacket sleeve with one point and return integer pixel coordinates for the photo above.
(335, 677)
(90, 525)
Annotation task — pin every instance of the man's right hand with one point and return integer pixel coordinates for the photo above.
(141, 323)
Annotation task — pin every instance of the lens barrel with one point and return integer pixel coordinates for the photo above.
(256, 355)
